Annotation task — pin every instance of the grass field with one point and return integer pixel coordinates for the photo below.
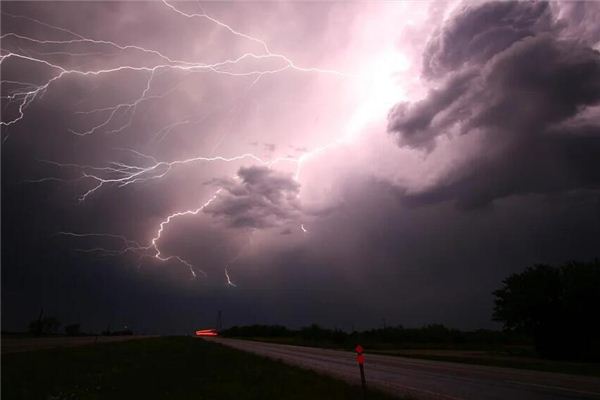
(162, 368)
(497, 357)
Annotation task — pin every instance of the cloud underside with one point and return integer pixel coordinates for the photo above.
(258, 197)
(511, 76)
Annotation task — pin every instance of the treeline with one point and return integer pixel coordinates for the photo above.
(50, 326)
(555, 308)
(434, 335)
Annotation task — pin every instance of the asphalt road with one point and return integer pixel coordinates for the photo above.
(20, 344)
(424, 379)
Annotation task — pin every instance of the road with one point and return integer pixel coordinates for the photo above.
(20, 344)
(425, 379)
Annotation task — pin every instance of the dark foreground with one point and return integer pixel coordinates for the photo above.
(162, 368)
(429, 379)
(21, 344)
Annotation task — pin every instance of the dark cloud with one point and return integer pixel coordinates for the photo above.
(478, 32)
(259, 197)
(530, 101)
(418, 121)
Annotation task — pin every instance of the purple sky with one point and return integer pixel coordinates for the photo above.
(291, 163)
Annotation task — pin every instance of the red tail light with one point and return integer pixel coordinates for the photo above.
(207, 332)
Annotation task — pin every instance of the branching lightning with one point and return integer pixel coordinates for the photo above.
(21, 95)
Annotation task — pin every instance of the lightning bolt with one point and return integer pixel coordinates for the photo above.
(147, 168)
(26, 97)
(229, 282)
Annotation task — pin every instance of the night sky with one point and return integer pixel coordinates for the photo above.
(291, 163)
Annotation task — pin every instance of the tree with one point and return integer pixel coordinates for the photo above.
(44, 326)
(557, 306)
(73, 329)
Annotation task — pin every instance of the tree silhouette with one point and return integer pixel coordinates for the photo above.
(44, 326)
(73, 329)
(558, 306)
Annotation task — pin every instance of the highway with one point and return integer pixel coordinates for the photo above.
(425, 379)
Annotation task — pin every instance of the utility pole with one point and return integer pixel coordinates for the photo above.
(38, 328)
(219, 320)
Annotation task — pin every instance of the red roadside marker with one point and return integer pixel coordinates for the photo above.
(360, 358)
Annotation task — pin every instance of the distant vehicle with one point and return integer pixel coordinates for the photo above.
(207, 332)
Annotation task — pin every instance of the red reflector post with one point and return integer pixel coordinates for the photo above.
(360, 358)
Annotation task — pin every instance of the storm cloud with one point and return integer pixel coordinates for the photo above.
(528, 96)
(259, 198)
(328, 189)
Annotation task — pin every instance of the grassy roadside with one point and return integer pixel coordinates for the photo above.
(498, 357)
(162, 368)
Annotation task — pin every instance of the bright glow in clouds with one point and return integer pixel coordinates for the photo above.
(380, 89)
(377, 68)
